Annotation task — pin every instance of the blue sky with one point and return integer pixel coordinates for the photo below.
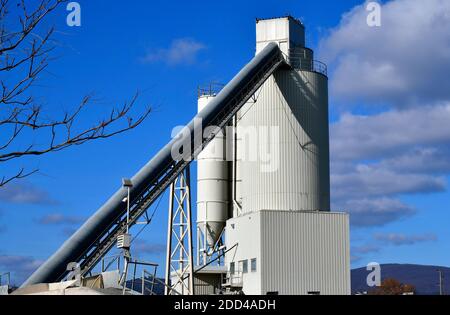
(388, 122)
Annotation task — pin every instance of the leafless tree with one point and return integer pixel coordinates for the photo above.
(25, 52)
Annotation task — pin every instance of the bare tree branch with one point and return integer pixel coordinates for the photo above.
(97, 131)
(25, 52)
(19, 175)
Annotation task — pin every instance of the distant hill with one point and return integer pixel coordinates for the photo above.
(424, 278)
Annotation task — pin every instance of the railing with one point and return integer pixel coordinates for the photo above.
(298, 62)
(7, 276)
(134, 284)
(234, 279)
(211, 89)
(301, 59)
(108, 261)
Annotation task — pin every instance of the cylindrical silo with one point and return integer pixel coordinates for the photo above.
(212, 186)
(286, 124)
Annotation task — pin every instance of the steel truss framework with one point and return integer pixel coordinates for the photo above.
(179, 259)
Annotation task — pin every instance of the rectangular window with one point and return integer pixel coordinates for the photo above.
(253, 265)
(244, 266)
(232, 268)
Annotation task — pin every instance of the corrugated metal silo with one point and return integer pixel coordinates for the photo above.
(212, 186)
(291, 171)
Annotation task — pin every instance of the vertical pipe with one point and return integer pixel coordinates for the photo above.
(128, 209)
(198, 246)
(169, 240)
(234, 166)
(180, 210)
(189, 219)
(125, 276)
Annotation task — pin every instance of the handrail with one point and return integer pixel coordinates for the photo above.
(212, 89)
(6, 275)
(299, 59)
(297, 62)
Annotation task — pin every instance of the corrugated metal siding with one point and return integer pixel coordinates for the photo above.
(207, 284)
(296, 103)
(305, 251)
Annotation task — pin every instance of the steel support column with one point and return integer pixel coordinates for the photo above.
(179, 259)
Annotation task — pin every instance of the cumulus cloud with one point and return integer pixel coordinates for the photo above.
(367, 181)
(375, 212)
(388, 133)
(21, 267)
(181, 51)
(375, 159)
(25, 193)
(403, 62)
(365, 249)
(425, 161)
(358, 252)
(402, 239)
(60, 219)
(388, 239)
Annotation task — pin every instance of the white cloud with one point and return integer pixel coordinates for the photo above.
(357, 252)
(388, 133)
(365, 249)
(426, 160)
(60, 219)
(21, 267)
(367, 181)
(366, 212)
(402, 239)
(181, 51)
(25, 193)
(376, 159)
(403, 62)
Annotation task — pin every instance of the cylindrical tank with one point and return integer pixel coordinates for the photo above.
(212, 185)
(287, 126)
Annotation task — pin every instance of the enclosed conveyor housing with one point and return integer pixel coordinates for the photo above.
(99, 233)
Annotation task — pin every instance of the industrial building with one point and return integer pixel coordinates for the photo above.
(288, 241)
(264, 224)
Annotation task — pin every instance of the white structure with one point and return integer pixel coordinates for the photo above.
(290, 252)
(275, 192)
(212, 192)
(285, 31)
